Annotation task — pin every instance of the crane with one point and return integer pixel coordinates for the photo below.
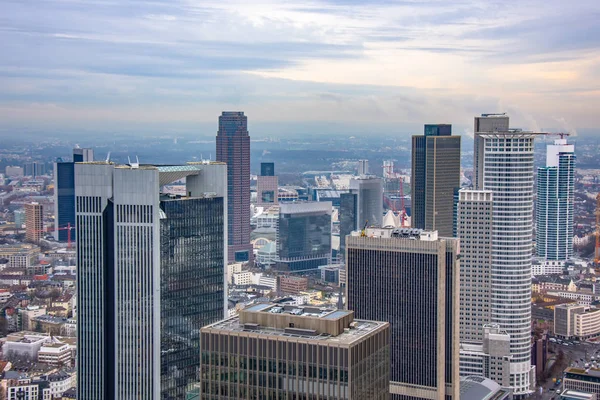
(363, 232)
(597, 248)
(67, 228)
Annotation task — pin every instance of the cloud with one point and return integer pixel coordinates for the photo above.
(400, 62)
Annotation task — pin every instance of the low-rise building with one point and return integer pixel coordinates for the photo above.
(55, 353)
(20, 255)
(24, 345)
(582, 297)
(576, 321)
(292, 284)
(547, 267)
(582, 380)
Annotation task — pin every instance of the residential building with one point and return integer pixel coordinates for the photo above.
(274, 351)
(474, 228)
(267, 186)
(555, 203)
(292, 284)
(139, 259)
(64, 194)
(362, 205)
(304, 235)
(504, 166)
(233, 148)
(34, 222)
(434, 177)
(409, 277)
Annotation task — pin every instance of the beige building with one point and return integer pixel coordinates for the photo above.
(576, 321)
(20, 255)
(273, 351)
(34, 222)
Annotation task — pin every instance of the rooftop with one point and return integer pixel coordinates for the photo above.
(299, 322)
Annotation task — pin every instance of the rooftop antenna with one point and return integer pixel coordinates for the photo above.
(108, 157)
(135, 164)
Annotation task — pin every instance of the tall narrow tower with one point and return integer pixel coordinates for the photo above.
(555, 202)
(34, 222)
(435, 176)
(504, 165)
(233, 148)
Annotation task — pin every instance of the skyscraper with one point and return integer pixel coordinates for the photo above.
(363, 167)
(409, 278)
(555, 201)
(150, 275)
(34, 222)
(304, 235)
(485, 123)
(363, 204)
(233, 148)
(474, 228)
(435, 175)
(64, 193)
(504, 165)
(266, 186)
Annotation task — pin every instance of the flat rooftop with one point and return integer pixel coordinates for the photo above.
(299, 322)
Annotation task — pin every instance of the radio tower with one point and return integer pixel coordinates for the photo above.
(597, 252)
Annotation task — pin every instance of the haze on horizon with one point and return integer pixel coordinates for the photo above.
(325, 65)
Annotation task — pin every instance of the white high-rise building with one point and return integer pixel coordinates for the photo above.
(363, 167)
(504, 166)
(555, 200)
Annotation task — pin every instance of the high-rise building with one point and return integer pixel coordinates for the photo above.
(304, 235)
(134, 252)
(284, 352)
(64, 194)
(34, 222)
(504, 166)
(266, 186)
(485, 123)
(474, 228)
(555, 202)
(435, 175)
(409, 277)
(35, 168)
(363, 204)
(363, 167)
(233, 148)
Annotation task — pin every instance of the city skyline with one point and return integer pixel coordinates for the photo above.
(175, 65)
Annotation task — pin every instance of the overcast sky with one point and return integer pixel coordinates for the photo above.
(322, 64)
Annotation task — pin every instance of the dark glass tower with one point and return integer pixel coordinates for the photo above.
(410, 279)
(233, 148)
(192, 285)
(435, 176)
(267, 169)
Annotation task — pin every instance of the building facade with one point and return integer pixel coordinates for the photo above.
(233, 148)
(304, 235)
(434, 177)
(555, 203)
(485, 123)
(504, 163)
(267, 186)
(272, 351)
(64, 193)
(34, 222)
(474, 228)
(409, 277)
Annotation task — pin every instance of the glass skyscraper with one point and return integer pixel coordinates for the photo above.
(555, 202)
(435, 176)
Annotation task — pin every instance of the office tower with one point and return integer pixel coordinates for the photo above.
(64, 194)
(20, 218)
(35, 168)
(555, 201)
(233, 148)
(435, 175)
(485, 123)
(83, 155)
(143, 266)
(12, 171)
(34, 222)
(474, 228)
(363, 204)
(363, 167)
(505, 167)
(304, 235)
(267, 186)
(409, 277)
(283, 352)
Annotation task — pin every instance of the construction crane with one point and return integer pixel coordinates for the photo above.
(597, 249)
(363, 232)
(67, 228)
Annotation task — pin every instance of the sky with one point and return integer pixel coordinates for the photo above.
(331, 66)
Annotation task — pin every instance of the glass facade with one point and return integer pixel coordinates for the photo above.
(192, 286)
(65, 198)
(267, 169)
(347, 218)
(304, 235)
